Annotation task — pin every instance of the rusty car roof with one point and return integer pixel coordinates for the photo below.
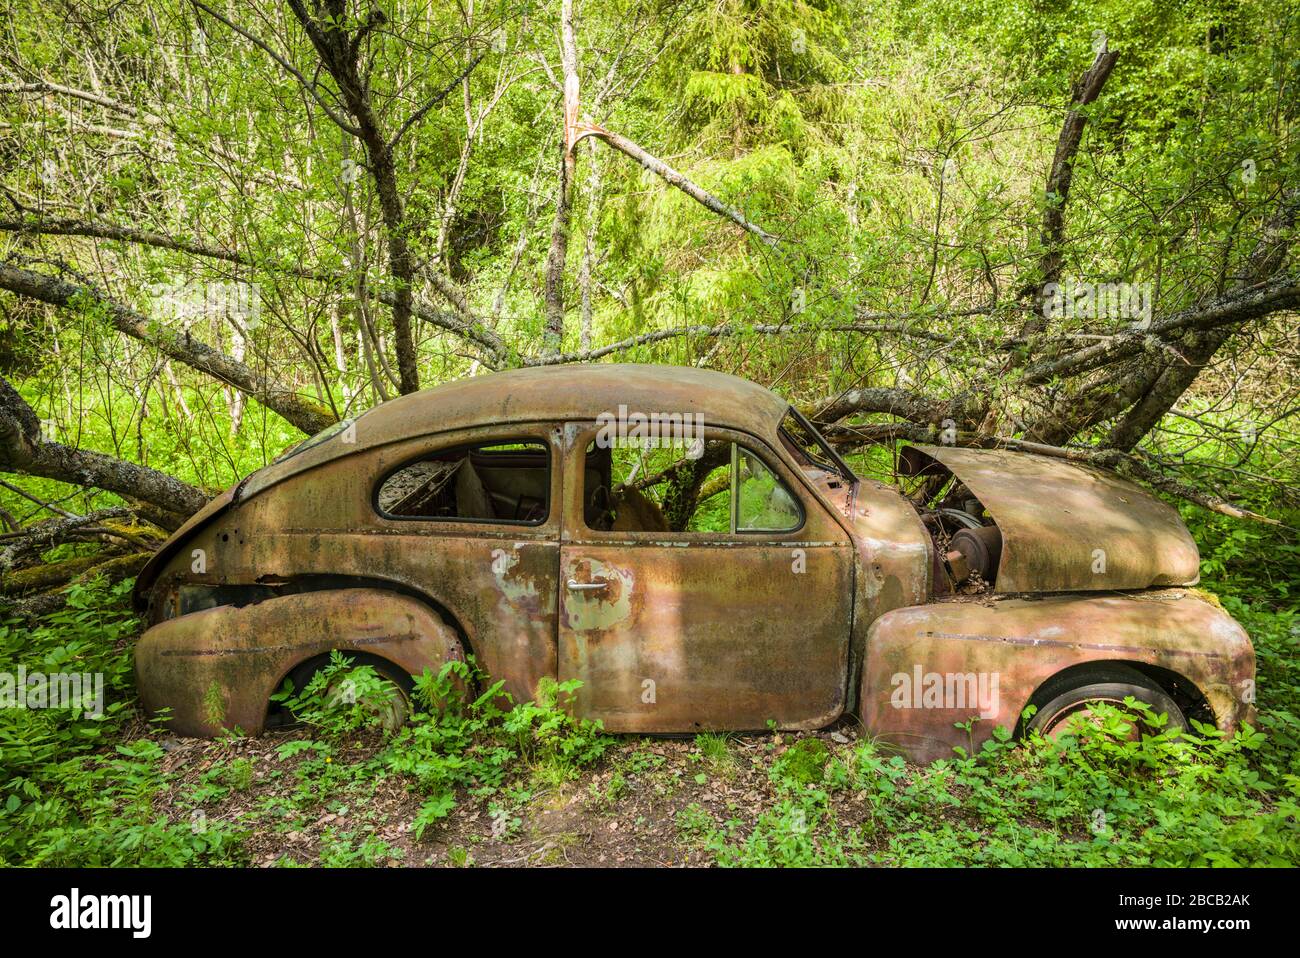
(542, 394)
(580, 391)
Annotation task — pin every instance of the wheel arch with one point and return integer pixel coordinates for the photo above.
(277, 714)
(217, 668)
(1185, 693)
(302, 584)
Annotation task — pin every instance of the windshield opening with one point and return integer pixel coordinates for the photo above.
(804, 438)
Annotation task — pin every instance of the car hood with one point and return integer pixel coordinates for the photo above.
(1068, 527)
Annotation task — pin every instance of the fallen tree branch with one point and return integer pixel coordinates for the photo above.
(33, 540)
(45, 576)
(1171, 381)
(1282, 292)
(462, 322)
(40, 502)
(914, 407)
(23, 450)
(308, 415)
(675, 179)
(900, 324)
(113, 570)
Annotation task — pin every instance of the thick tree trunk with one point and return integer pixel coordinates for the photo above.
(338, 55)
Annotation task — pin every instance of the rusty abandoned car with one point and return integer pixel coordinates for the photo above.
(503, 517)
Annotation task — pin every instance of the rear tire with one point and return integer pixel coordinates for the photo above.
(1065, 697)
(392, 715)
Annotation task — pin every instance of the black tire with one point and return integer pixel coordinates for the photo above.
(1064, 695)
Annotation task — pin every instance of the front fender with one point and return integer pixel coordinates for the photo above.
(929, 667)
(216, 669)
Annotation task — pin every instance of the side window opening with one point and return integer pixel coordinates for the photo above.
(494, 482)
(726, 489)
(762, 502)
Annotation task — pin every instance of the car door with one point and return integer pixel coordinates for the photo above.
(740, 620)
(471, 519)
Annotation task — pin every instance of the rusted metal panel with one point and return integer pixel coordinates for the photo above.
(1072, 528)
(158, 561)
(719, 636)
(894, 546)
(705, 630)
(497, 582)
(893, 560)
(551, 393)
(548, 393)
(1010, 647)
(216, 669)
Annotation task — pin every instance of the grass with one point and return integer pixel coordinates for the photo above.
(715, 751)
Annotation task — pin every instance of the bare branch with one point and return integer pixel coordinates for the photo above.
(307, 85)
(433, 101)
(306, 414)
(676, 179)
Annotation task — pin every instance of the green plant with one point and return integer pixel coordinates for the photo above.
(73, 791)
(803, 763)
(716, 752)
(341, 697)
(340, 849)
(461, 743)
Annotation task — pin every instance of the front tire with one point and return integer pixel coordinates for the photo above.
(1067, 699)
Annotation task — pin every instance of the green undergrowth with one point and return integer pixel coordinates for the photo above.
(82, 790)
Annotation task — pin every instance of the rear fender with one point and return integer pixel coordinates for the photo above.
(217, 669)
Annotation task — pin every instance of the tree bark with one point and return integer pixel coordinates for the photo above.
(1201, 346)
(675, 179)
(557, 256)
(338, 55)
(23, 450)
(462, 322)
(1059, 178)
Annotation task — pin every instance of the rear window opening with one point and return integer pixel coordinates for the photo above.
(506, 482)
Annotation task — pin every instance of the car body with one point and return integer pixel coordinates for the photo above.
(480, 518)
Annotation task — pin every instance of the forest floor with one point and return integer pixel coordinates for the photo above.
(645, 803)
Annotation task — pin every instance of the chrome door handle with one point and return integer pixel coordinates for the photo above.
(576, 586)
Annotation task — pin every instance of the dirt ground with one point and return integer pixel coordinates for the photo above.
(622, 811)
